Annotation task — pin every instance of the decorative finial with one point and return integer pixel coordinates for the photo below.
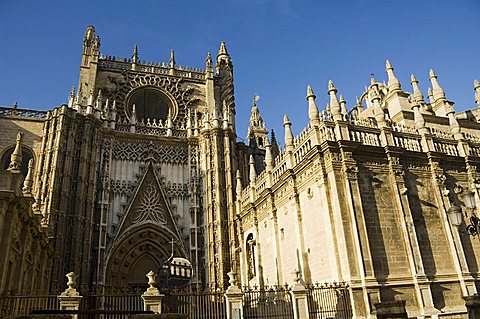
(28, 182)
(71, 97)
(288, 131)
(334, 104)
(238, 188)
(343, 106)
(417, 94)
(171, 63)
(313, 113)
(476, 86)
(135, 54)
(223, 49)
(209, 63)
(438, 92)
(16, 157)
(268, 155)
(393, 83)
(253, 173)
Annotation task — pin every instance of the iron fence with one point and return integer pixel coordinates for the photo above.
(268, 302)
(195, 304)
(23, 305)
(329, 301)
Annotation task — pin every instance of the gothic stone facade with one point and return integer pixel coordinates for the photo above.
(143, 162)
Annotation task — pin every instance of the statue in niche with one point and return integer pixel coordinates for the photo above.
(250, 252)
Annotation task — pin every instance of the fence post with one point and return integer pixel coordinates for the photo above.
(473, 306)
(152, 298)
(70, 298)
(234, 298)
(299, 298)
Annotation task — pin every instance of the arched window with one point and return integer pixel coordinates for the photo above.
(150, 103)
(26, 156)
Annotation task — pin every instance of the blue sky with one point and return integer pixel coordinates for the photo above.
(277, 46)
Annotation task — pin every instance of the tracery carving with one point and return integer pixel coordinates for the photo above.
(182, 94)
(151, 206)
(138, 151)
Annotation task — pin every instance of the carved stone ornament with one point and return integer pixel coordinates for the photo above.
(172, 86)
(151, 206)
(351, 172)
(441, 179)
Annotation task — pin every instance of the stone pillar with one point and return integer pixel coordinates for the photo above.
(473, 306)
(299, 299)
(70, 298)
(152, 298)
(234, 298)
(391, 309)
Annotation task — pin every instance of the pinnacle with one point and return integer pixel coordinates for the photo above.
(310, 92)
(412, 78)
(342, 100)
(476, 84)
(209, 57)
(388, 65)
(286, 120)
(251, 160)
(223, 49)
(432, 74)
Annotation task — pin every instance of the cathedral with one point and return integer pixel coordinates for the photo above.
(143, 164)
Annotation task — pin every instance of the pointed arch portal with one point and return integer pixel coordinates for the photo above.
(146, 236)
(141, 249)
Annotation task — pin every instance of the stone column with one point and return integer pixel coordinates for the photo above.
(473, 306)
(70, 298)
(299, 298)
(234, 298)
(152, 298)
(391, 309)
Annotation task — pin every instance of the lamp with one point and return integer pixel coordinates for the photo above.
(455, 215)
(469, 199)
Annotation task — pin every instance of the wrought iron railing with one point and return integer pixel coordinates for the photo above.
(197, 305)
(23, 305)
(330, 300)
(268, 302)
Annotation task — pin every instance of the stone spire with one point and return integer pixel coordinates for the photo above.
(252, 173)
(455, 128)
(476, 86)
(288, 132)
(417, 94)
(343, 107)
(430, 95)
(313, 114)
(223, 54)
(393, 83)
(16, 157)
(334, 104)
(28, 182)
(238, 188)
(135, 55)
(268, 156)
(377, 109)
(274, 145)
(438, 92)
(257, 128)
(171, 62)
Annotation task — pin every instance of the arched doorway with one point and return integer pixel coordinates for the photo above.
(141, 248)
